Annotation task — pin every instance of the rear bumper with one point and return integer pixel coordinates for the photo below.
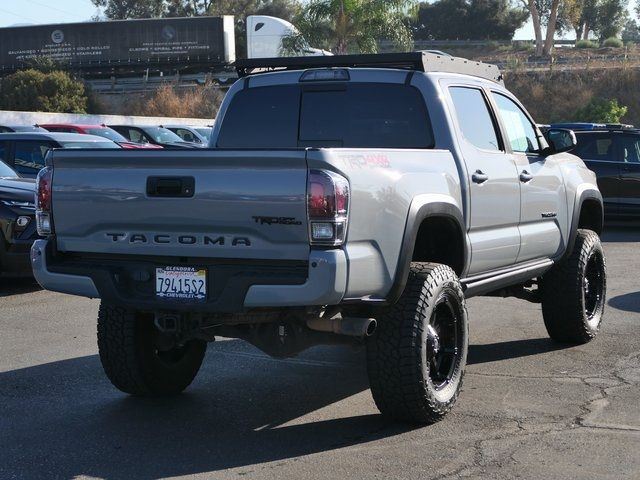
(323, 281)
(58, 282)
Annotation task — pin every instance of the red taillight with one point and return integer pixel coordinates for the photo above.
(321, 195)
(43, 201)
(43, 182)
(327, 207)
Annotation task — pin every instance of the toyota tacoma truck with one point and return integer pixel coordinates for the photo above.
(347, 199)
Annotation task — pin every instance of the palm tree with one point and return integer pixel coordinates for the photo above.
(348, 26)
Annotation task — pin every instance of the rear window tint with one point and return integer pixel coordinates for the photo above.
(264, 117)
(365, 115)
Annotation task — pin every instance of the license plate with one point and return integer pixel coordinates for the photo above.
(181, 283)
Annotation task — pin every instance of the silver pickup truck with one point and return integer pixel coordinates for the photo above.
(346, 199)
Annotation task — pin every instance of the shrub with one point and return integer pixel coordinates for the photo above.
(33, 90)
(523, 46)
(586, 44)
(169, 101)
(613, 42)
(601, 110)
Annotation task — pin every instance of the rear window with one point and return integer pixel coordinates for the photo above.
(365, 115)
(107, 133)
(89, 145)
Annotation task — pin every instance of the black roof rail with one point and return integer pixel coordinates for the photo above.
(423, 61)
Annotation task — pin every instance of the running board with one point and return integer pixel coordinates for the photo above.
(485, 283)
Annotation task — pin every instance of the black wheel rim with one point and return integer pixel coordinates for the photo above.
(593, 286)
(444, 340)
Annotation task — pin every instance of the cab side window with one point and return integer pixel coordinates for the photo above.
(136, 136)
(29, 156)
(630, 148)
(595, 146)
(474, 118)
(187, 136)
(521, 133)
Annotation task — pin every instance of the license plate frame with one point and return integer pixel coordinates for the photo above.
(182, 284)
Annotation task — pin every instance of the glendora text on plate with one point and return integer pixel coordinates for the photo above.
(181, 283)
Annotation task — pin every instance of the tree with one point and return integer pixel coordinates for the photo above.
(601, 110)
(33, 90)
(554, 15)
(586, 18)
(347, 26)
(611, 17)
(631, 32)
(468, 20)
(286, 9)
(125, 9)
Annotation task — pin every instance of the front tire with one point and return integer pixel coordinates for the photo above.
(135, 360)
(417, 356)
(574, 291)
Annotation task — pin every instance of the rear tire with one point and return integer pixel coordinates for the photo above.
(574, 291)
(128, 347)
(417, 356)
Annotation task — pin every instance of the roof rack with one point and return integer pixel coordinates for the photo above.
(423, 61)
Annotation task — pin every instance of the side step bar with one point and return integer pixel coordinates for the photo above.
(485, 283)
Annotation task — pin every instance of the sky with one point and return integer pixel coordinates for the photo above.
(14, 12)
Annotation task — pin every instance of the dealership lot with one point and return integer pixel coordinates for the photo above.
(530, 408)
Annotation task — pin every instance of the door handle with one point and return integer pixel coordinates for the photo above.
(525, 176)
(170, 186)
(479, 177)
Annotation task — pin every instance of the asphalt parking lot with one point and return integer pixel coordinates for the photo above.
(529, 409)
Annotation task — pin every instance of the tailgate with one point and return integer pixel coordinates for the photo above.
(241, 204)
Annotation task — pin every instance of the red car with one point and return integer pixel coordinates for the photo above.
(100, 130)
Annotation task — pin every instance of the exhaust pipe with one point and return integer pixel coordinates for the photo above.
(350, 326)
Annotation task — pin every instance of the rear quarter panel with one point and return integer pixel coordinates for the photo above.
(384, 183)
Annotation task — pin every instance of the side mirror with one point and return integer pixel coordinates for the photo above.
(560, 140)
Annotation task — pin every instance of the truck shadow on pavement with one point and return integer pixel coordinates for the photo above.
(628, 302)
(64, 419)
(493, 352)
(16, 286)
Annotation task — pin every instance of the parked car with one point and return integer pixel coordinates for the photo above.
(25, 152)
(199, 135)
(99, 130)
(349, 199)
(17, 222)
(154, 135)
(20, 128)
(613, 153)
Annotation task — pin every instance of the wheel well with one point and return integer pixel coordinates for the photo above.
(591, 216)
(440, 240)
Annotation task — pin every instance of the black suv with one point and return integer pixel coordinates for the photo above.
(17, 223)
(613, 153)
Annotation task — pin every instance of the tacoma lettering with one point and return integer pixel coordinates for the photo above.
(163, 239)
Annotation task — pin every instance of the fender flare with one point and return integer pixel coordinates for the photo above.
(588, 193)
(420, 210)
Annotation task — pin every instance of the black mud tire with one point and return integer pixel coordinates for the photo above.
(574, 292)
(131, 360)
(405, 383)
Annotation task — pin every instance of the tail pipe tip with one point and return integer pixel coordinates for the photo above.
(350, 326)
